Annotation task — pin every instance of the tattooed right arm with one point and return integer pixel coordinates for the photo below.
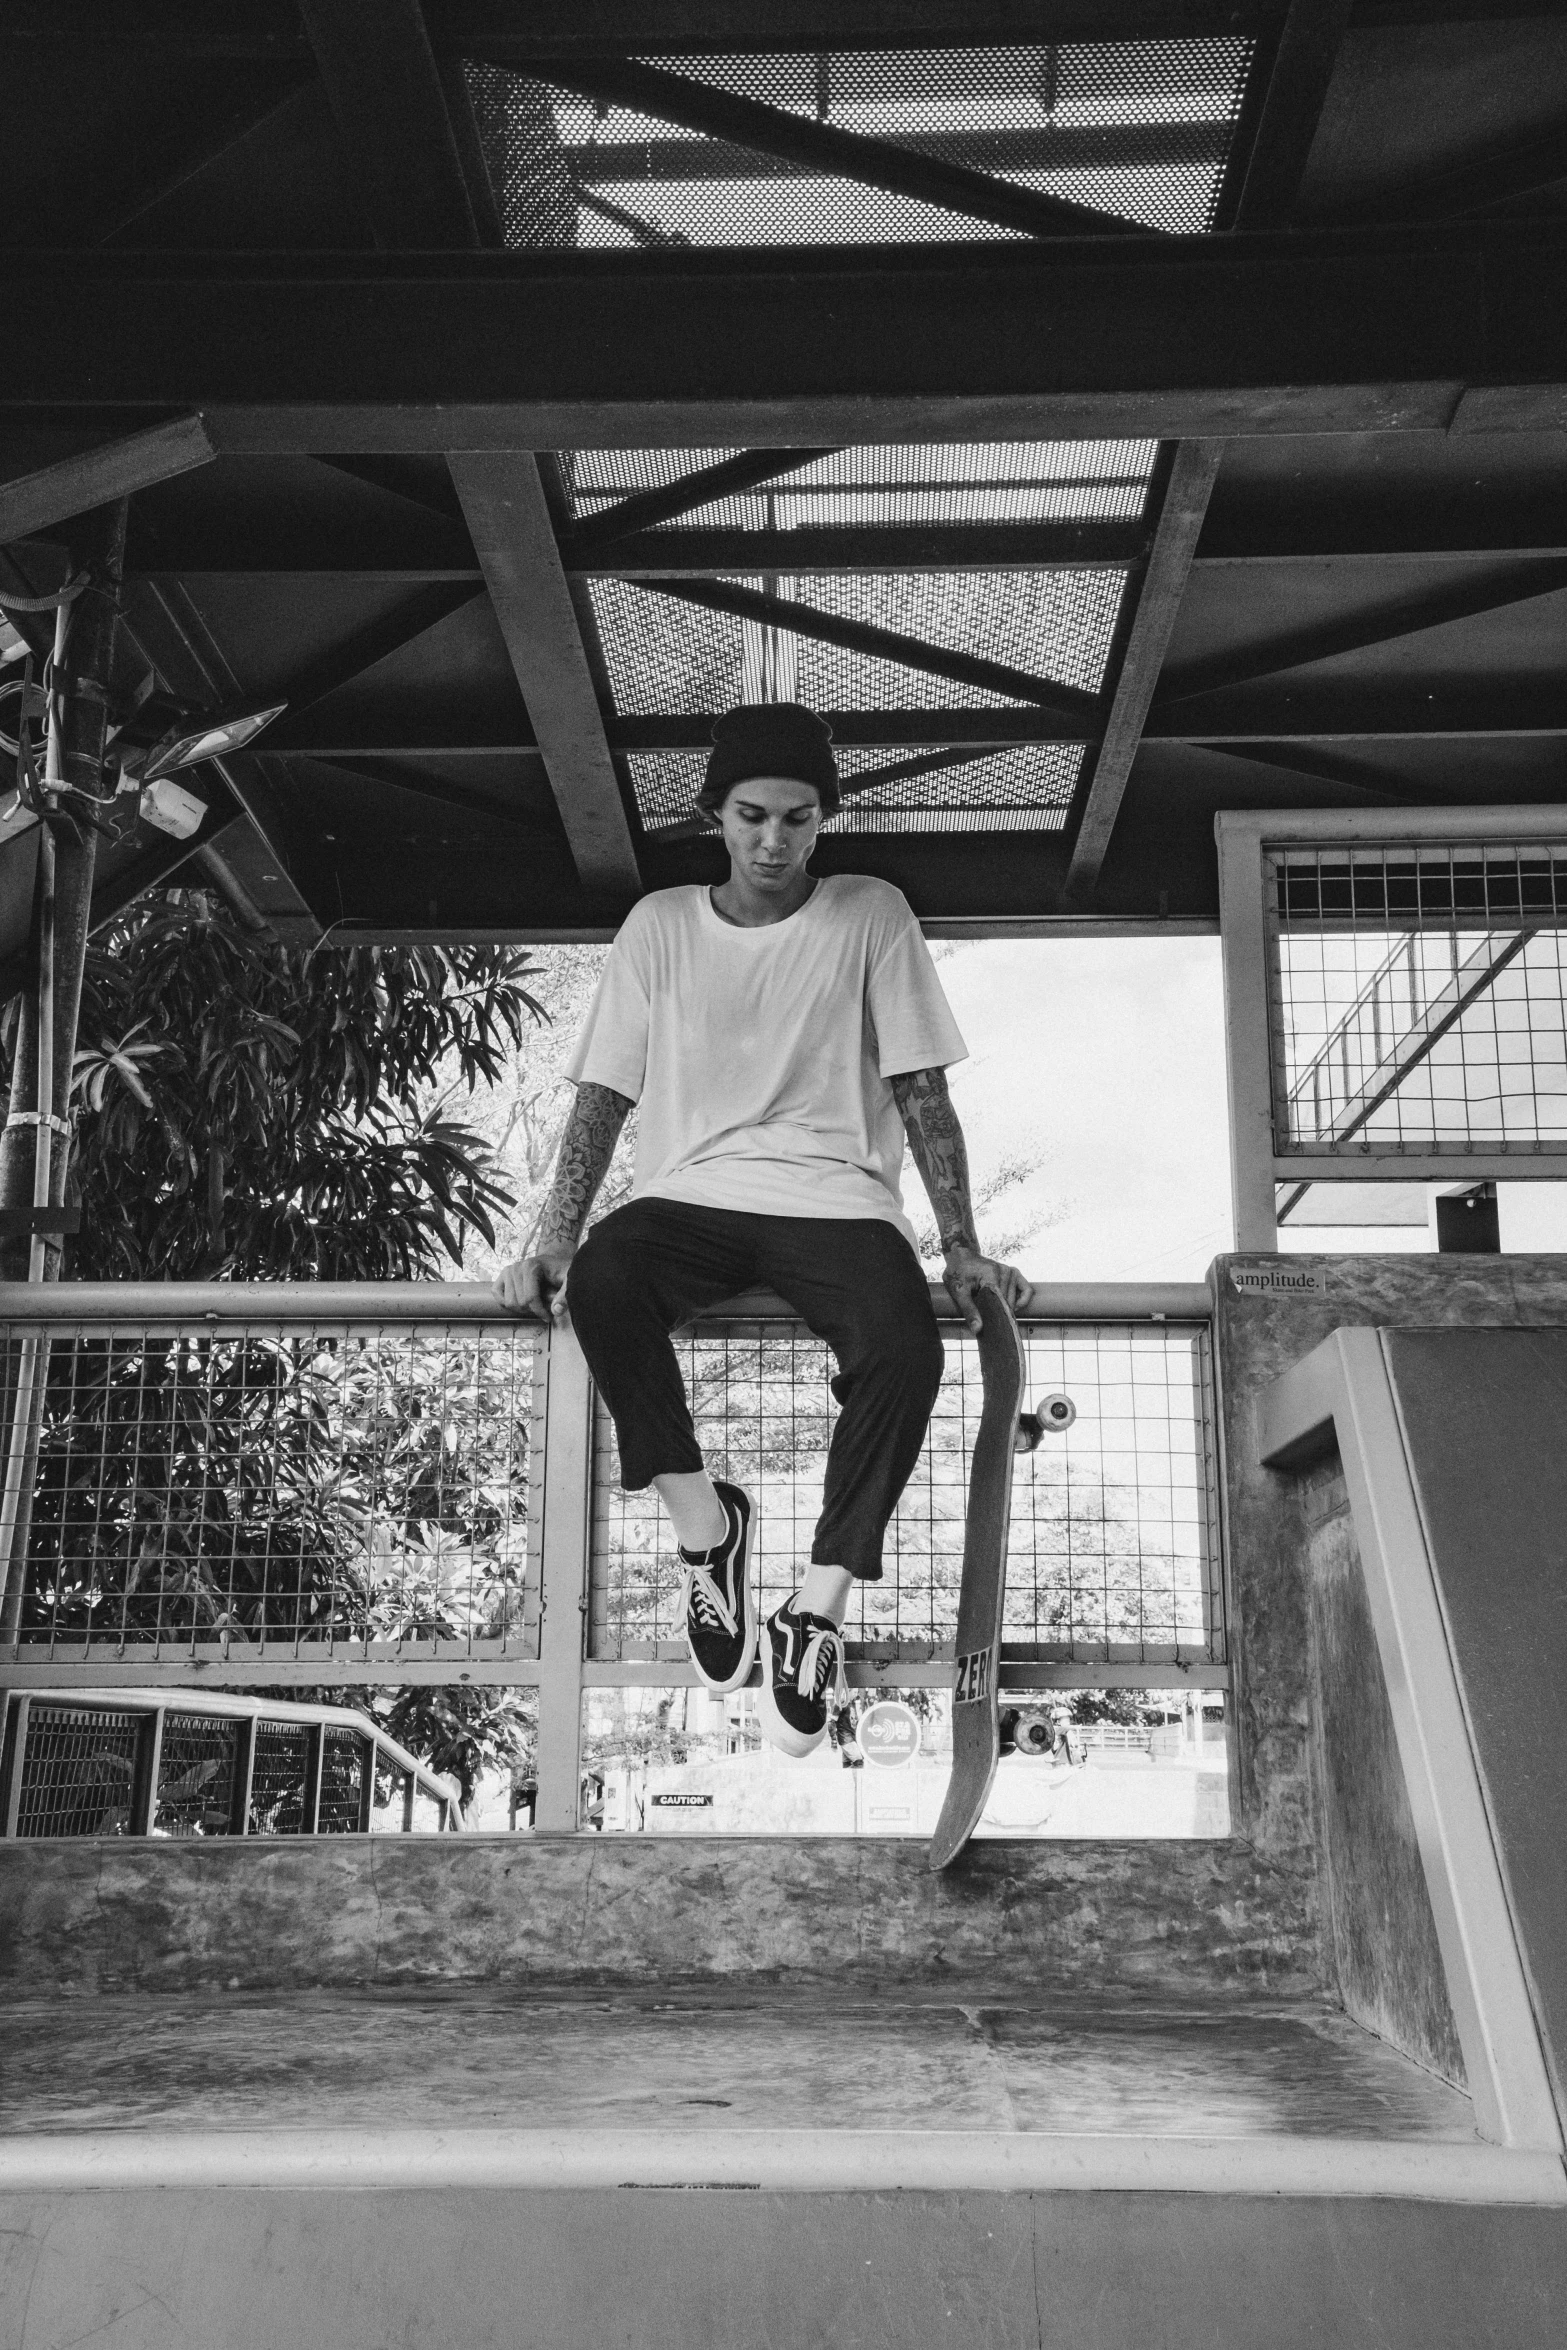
(536, 1283)
(586, 1148)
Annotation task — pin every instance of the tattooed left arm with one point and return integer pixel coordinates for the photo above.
(936, 1140)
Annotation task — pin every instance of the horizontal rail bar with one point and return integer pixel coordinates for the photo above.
(192, 1677)
(233, 1306)
(162, 1677)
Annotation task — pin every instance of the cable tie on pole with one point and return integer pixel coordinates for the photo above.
(32, 1117)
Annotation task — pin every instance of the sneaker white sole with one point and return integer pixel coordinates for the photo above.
(778, 1732)
(750, 1624)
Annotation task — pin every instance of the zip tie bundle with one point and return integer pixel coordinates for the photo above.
(68, 594)
(38, 1117)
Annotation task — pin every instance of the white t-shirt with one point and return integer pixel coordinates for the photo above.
(761, 1057)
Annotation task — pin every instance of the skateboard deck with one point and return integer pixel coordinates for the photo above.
(976, 1717)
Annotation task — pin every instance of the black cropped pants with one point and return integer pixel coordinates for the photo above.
(856, 1283)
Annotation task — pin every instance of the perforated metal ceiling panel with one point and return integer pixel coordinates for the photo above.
(1141, 130)
(997, 481)
(1027, 789)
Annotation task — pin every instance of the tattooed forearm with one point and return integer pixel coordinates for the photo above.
(936, 1139)
(586, 1149)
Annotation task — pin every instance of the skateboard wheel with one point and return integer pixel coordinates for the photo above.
(1033, 1733)
(1055, 1414)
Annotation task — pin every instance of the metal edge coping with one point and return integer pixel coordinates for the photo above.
(808, 2161)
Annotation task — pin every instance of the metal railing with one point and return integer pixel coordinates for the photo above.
(278, 1486)
(130, 1762)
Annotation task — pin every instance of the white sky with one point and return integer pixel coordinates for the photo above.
(1108, 1055)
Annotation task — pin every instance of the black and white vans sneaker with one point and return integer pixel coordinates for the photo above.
(802, 1661)
(716, 1596)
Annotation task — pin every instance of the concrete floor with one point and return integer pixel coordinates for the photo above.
(743, 2061)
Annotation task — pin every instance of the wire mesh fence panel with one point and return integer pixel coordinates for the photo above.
(1418, 997)
(281, 1491)
(342, 1783)
(196, 1768)
(1113, 1552)
(78, 1771)
(279, 1780)
(1138, 129)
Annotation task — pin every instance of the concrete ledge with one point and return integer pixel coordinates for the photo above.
(825, 2162)
(1171, 1918)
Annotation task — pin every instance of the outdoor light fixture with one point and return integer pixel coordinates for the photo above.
(187, 742)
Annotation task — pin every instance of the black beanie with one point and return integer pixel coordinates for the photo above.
(770, 738)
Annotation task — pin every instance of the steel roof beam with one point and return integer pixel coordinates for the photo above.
(1300, 70)
(1461, 713)
(33, 503)
(1507, 176)
(271, 28)
(344, 664)
(1455, 326)
(1302, 647)
(384, 88)
(514, 539)
(1156, 600)
(800, 143)
(843, 548)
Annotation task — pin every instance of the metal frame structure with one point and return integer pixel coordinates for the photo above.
(1352, 371)
(563, 1455)
(1257, 1165)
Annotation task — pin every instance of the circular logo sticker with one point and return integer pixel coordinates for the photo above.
(888, 1733)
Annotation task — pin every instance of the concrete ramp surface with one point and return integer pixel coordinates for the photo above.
(1452, 1446)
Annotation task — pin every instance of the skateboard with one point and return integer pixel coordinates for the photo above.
(1004, 1428)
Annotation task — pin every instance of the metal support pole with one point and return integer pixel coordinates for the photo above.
(315, 1761)
(84, 649)
(568, 1478)
(149, 1769)
(1248, 1058)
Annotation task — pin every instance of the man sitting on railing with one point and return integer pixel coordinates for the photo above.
(782, 1034)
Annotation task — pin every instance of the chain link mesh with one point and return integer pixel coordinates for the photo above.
(1141, 130)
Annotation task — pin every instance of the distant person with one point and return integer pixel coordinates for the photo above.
(782, 1033)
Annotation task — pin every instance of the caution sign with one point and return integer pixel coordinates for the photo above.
(973, 1682)
(681, 1802)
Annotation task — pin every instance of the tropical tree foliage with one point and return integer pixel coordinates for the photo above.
(249, 1110)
